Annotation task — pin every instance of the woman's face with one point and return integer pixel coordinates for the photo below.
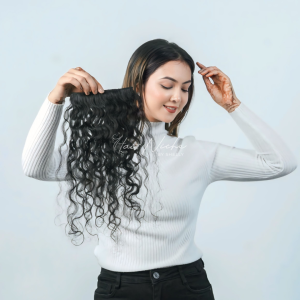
(161, 92)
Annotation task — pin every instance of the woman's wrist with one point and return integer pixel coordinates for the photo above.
(56, 97)
(232, 107)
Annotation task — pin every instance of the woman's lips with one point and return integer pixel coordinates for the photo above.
(170, 110)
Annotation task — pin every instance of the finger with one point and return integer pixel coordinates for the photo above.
(204, 71)
(76, 83)
(99, 86)
(74, 70)
(84, 84)
(79, 69)
(92, 84)
(208, 83)
(67, 79)
(208, 69)
(200, 65)
(91, 81)
(213, 72)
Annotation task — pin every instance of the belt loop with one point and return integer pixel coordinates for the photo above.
(202, 262)
(118, 279)
(198, 267)
(181, 274)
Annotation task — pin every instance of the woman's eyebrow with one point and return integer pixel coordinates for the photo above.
(167, 77)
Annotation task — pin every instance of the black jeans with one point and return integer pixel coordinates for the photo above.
(181, 282)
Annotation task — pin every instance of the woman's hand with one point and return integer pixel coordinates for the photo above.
(76, 80)
(221, 90)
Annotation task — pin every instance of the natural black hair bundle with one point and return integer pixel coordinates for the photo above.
(107, 134)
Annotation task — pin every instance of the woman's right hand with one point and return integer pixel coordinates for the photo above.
(76, 80)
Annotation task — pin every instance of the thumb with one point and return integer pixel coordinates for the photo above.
(208, 83)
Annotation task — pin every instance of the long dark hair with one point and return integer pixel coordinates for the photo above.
(146, 60)
(97, 176)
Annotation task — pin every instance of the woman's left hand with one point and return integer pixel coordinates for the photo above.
(222, 90)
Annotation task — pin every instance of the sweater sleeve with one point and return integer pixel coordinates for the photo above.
(271, 158)
(39, 159)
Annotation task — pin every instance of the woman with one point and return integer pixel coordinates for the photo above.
(163, 262)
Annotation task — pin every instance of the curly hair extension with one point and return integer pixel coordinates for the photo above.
(93, 166)
(99, 174)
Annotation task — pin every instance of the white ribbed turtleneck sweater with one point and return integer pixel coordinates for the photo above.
(185, 173)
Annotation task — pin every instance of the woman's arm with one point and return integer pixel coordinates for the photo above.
(271, 158)
(39, 159)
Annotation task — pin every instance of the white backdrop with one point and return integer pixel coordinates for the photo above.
(249, 231)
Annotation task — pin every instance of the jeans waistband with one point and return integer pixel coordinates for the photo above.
(153, 275)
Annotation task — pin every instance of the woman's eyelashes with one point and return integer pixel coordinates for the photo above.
(171, 87)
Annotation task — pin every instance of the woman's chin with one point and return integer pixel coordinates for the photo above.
(163, 118)
(166, 120)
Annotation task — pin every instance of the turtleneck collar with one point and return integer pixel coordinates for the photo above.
(158, 128)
